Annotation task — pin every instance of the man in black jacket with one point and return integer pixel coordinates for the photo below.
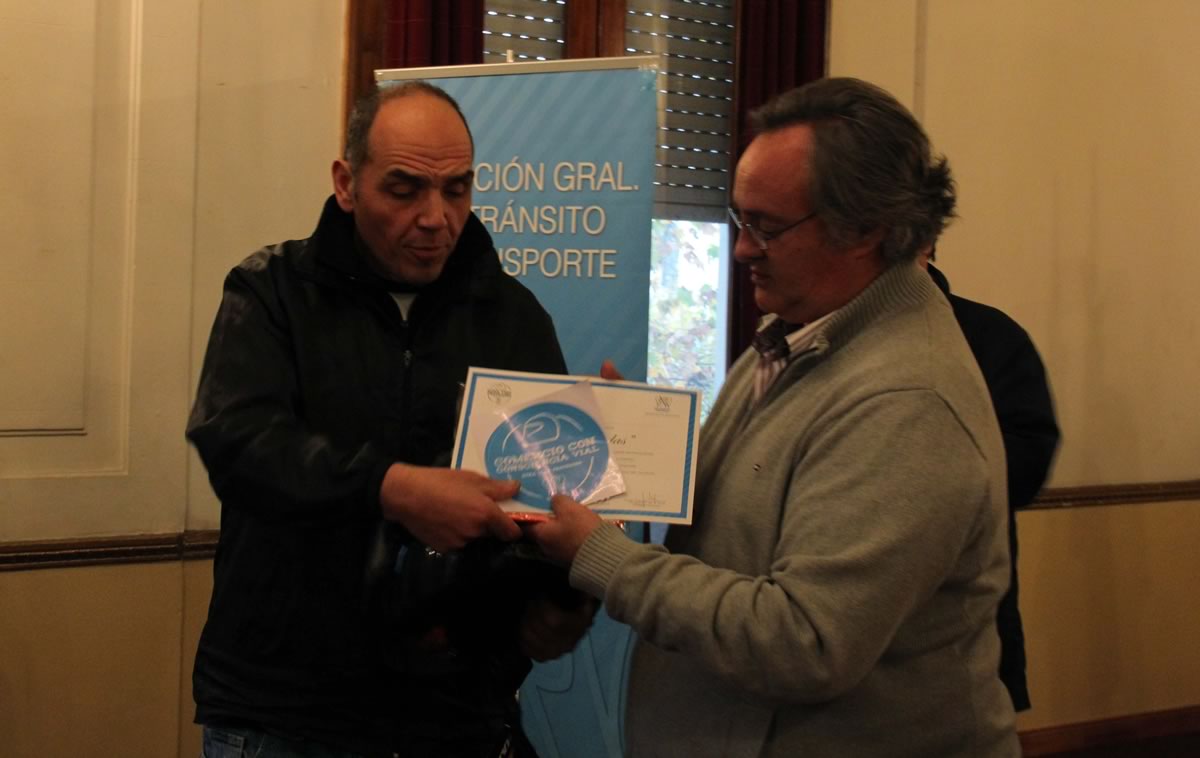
(1016, 381)
(367, 600)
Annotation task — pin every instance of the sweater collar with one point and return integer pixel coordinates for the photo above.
(900, 286)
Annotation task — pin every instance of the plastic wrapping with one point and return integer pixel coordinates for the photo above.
(554, 444)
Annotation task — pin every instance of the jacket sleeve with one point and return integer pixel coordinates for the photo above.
(246, 422)
(865, 537)
(1016, 381)
(1020, 394)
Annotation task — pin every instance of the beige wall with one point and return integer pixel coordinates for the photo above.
(153, 145)
(1069, 126)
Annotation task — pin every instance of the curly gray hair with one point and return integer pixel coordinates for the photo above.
(872, 165)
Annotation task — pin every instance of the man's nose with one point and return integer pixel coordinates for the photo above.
(432, 213)
(745, 248)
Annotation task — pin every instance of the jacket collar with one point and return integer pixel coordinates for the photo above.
(334, 255)
(940, 280)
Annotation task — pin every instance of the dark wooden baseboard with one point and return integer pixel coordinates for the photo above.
(1117, 494)
(1085, 735)
(193, 545)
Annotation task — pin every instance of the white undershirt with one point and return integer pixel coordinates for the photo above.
(404, 301)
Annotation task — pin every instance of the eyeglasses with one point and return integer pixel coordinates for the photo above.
(760, 237)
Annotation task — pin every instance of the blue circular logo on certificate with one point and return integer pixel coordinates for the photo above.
(551, 448)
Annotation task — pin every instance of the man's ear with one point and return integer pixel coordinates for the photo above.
(343, 185)
(924, 256)
(867, 246)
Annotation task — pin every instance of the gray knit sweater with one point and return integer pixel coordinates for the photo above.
(836, 593)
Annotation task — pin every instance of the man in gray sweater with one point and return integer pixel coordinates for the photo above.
(836, 592)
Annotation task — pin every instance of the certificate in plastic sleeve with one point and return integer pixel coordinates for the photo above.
(625, 449)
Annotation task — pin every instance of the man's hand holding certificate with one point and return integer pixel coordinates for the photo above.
(625, 449)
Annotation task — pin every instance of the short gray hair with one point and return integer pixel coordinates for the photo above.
(872, 165)
(363, 116)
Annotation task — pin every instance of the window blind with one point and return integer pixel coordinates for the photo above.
(696, 40)
(532, 29)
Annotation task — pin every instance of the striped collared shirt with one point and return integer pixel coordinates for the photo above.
(777, 343)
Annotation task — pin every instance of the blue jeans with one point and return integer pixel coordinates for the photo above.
(251, 743)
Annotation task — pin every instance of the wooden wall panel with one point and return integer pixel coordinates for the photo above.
(94, 327)
(91, 661)
(46, 52)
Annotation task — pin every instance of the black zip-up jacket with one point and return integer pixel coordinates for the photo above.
(1016, 381)
(312, 386)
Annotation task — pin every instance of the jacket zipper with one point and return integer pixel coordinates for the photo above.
(406, 361)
